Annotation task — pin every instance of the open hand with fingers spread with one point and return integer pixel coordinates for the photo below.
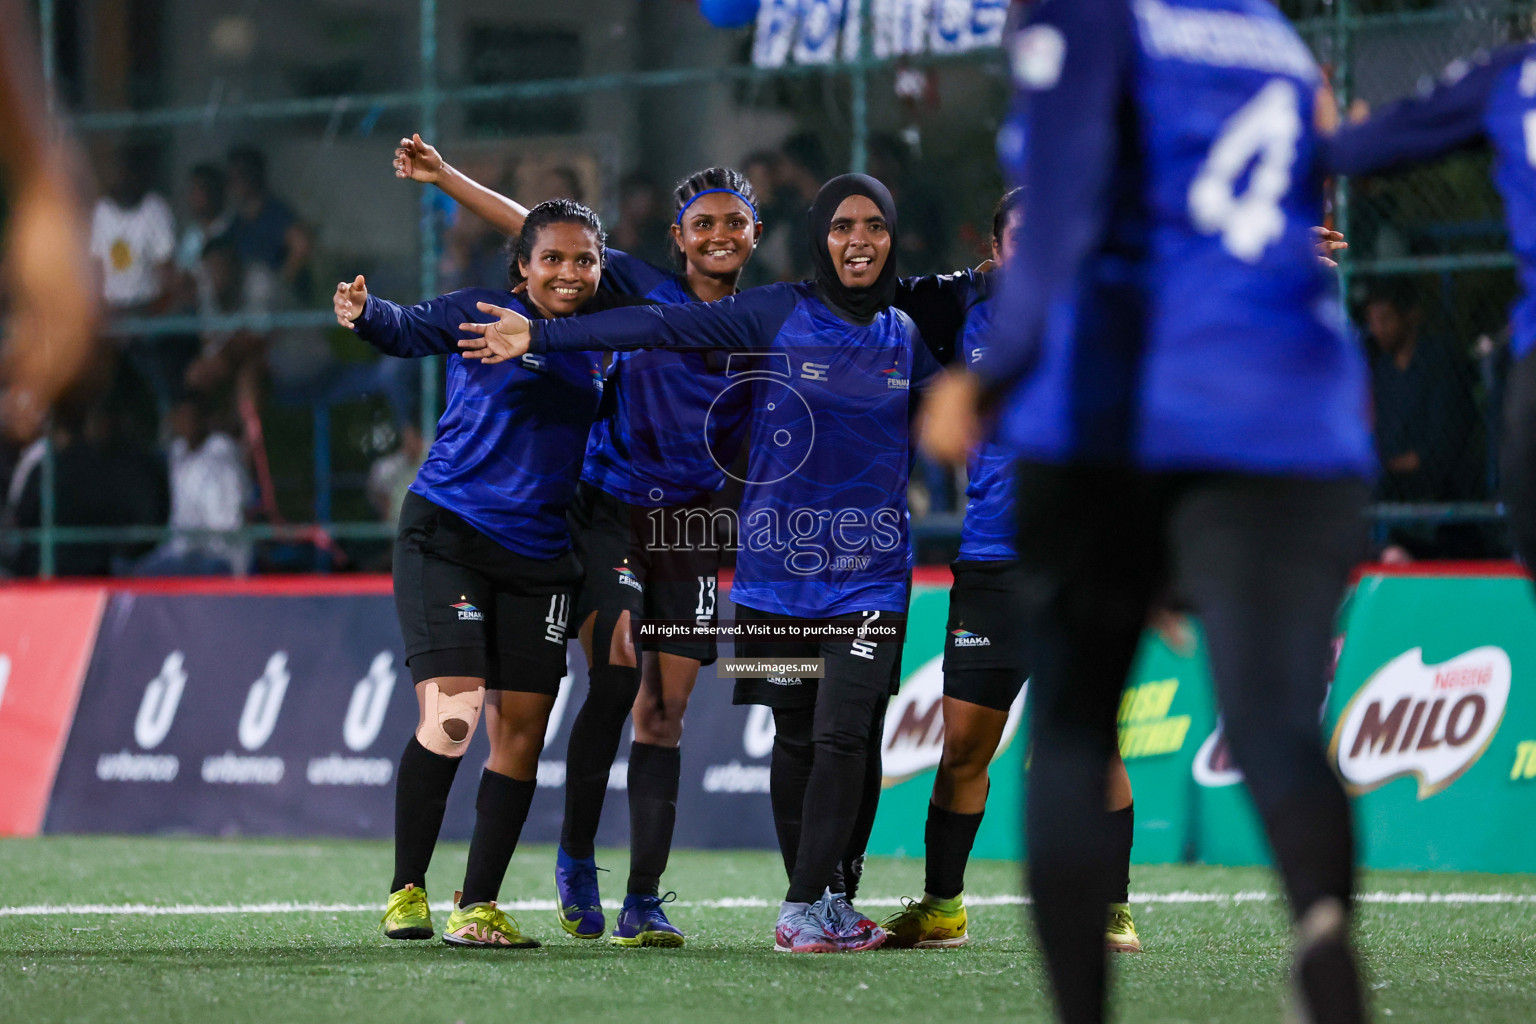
(506, 338)
(417, 160)
(351, 297)
(1328, 242)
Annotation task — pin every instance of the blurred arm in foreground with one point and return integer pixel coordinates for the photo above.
(52, 298)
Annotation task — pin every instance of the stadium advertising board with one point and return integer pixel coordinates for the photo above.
(46, 638)
(264, 715)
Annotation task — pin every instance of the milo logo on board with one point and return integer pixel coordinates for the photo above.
(914, 725)
(1429, 721)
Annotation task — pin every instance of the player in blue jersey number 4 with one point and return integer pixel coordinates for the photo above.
(484, 569)
(1175, 380)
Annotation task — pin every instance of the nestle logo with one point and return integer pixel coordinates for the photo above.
(1429, 721)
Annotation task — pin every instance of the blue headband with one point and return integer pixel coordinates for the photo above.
(699, 195)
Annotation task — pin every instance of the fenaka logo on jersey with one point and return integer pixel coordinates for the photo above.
(628, 578)
(965, 638)
(468, 612)
(914, 725)
(894, 378)
(1429, 721)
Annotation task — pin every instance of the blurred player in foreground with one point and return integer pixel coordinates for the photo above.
(1489, 98)
(985, 666)
(46, 272)
(1184, 404)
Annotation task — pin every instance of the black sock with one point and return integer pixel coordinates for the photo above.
(788, 773)
(500, 810)
(589, 756)
(421, 795)
(1123, 826)
(948, 838)
(653, 776)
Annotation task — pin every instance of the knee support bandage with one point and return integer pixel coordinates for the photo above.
(448, 720)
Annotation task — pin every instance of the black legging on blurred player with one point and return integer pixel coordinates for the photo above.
(1263, 561)
(1517, 461)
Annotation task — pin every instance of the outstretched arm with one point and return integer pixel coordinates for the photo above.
(418, 161)
(1423, 127)
(427, 329)
(749, 320)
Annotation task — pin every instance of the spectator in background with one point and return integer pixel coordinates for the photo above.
(642, 227)
(133, 237)
(209, 490)
(208, 218)
(263, 228)
(226, 287)
(102, 477)
(1425, 413)
(785, 189)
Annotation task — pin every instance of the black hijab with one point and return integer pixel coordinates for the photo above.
(859, 304)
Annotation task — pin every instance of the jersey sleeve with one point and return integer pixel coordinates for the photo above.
(1432, 124)
(426, 329)
(937, 304)
(630, 275)
(748, 320)
(1071, 63)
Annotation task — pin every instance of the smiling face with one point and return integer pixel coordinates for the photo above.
(859, 241)
(564, 269)
(717, 235)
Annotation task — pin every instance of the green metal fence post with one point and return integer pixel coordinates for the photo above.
(858, 157)
(430, 98)
(45, 561)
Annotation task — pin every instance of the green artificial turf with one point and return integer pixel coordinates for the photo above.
(1205, 962)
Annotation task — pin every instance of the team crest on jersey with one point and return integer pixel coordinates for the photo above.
(628, 578)
(894, 378)
(965, 638)
(1038, 54)
(468, 612)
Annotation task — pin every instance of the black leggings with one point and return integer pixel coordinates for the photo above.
(1264, 562)
(1518, 457)
(793, 753)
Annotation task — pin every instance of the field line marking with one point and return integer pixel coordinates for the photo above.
(728, 903)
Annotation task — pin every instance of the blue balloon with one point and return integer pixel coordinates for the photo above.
(729, 13)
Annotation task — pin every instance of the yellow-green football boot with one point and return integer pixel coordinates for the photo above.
(407, 915)
(1120, 936)
(484, 926)
(928, 923)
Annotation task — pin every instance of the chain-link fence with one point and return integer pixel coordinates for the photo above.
(268, 127)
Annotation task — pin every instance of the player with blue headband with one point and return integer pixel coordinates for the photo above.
(668, 425)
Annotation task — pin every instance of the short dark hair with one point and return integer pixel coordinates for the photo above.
(211, 177)
(1402, 293)
(551, 211)
(1010, 201)
(248, 162)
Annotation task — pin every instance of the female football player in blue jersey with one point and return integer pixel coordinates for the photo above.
(984, 672)
(829, 365)
(484, 568)
(653, 465)
(1183, 400)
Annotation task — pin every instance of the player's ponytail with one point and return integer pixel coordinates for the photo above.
(552, 211)
(710, 179)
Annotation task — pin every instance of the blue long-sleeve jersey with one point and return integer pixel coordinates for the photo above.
(986, 533)
(823, 517)
(1165, 308)
(1490, 97)
(509, 444)
(671, 424)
